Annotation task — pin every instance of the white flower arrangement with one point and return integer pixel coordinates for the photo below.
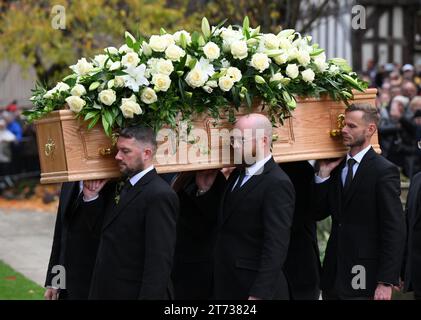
(155, 81)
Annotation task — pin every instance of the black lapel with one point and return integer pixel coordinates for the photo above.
(362, 171)
(132, 194)
(251, 183)
(338, 187)
(69, 194)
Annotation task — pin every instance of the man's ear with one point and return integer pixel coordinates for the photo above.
(372, 129)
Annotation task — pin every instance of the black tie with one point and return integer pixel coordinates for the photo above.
(126, 188)
(240, 180)
(349, 174)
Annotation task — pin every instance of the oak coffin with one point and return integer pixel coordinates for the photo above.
(68, 151)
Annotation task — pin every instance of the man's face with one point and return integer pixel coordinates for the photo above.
(130, 156)
(243, 143)
(356, 130)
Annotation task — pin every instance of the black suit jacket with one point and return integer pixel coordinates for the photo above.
(302, 266)
(75, 243)
(253, 235)
(368, 227)
(412, 268)
(137, 243)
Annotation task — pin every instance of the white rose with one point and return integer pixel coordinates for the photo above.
(226, 83)
(239, 49)
(271, 41)
(148, 96)
(119, 81)
(303, 57)
(129, 107)
(78, 90)
(168, 38)
(234, 73)
(308, 75)
(178, 34)
(292, 71)
(281, 59)
(125, 49)
(75, 103)
(174, 52)
(82, 67)
(212, 83)
(260, 61)
(161, 81)
(211, 51)
(158, 43)
(115, 66)
(130, 60)
(320, 62)
(164, 67)
(100, 60)
(196, 78)
(111, 50)
(107, 97)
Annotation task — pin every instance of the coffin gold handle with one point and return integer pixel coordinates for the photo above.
(340, 122)
(49, 147)
(105, 151)
(275, 137)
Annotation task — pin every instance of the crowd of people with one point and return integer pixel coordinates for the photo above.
(247, 233)
(399, 105)
(18, 148)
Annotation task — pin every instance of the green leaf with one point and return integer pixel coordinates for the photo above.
(246, 23)
(163, 31)
(105, 124)
(94, 121)
(91, 115)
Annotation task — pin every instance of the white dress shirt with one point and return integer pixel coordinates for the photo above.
(254, 169)
(358, 157)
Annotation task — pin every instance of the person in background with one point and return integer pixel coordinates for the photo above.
(6, 139)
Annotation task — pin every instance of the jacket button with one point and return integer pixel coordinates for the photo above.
(340, 224)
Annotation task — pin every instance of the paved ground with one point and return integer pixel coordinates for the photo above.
(25, 241)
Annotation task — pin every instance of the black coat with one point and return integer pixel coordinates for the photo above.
(196, 230)
(302, 266)
(412, 269)
(253, 235)
(368, 227)
(76, 238)
(135, 253)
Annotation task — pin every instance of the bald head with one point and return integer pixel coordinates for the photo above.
(255, 121)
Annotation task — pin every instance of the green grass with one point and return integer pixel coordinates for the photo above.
(14, 286)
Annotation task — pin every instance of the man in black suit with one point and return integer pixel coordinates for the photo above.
(75, 244)
(412, 265)
(254, 217)
(302, 265)
(361, 193)
(138, 236)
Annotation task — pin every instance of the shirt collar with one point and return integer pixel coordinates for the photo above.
(253, 169)
(135, 179)
(359, 156)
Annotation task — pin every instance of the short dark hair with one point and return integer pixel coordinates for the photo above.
(371, 113)
(141, 134)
